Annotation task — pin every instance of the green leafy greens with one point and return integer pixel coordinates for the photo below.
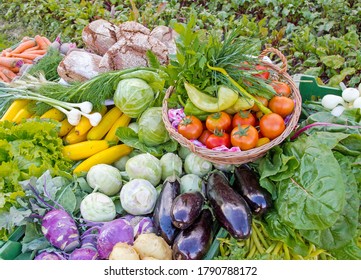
(316, 187)
(28, 149)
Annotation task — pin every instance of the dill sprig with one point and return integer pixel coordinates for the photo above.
(96, 90)
(228, 50)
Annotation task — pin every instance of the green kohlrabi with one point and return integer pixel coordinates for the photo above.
(138, 197)
(171, 164)
(144, 166)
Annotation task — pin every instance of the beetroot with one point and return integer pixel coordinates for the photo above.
(60, 230)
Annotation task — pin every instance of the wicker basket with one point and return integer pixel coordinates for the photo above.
(240, 157)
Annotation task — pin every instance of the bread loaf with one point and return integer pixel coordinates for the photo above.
(99, 35)
(167, 36)
(79, 65)
(130, 51)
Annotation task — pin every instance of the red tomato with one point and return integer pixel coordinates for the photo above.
(218, 121)
(281, 105)
(205, 134)
(190, 127)
(244, 136)
(281, 88)
(218, 139)
(263, 100)
(243, 117)
(262, 74)
(272, 125)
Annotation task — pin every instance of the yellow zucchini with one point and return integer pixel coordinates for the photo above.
(14, 108)
(72, 137)
(107, 156)
(99, 131)
(22, 114)
(84, 149)
(65, 128)
(84, 125)
(53, 114)
(123, 121)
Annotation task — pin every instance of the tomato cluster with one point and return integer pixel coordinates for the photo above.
(246, 129)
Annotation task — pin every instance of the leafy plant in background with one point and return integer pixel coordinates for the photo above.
(305, 31)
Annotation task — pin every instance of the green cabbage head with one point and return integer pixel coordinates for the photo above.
(152, 131)
(133, 96)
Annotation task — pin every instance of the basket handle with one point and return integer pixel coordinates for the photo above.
(266, 51)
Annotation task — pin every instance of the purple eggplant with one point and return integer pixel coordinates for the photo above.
(246, 183)
(162, 219)
(194, 242)
(229, 207)
(186, 208)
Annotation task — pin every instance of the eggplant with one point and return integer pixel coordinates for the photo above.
(246, 183)
(194, 242)
(186, 208)
(162, 211)
(229, 207)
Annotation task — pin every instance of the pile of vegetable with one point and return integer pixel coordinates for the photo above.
(225, 98)
(14, 60)
(90, 172)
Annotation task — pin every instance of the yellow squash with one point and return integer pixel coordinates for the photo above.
(122, 121)
(22, 114)
(65, 128)
(99, 131)
(14, 108)
(84, 125)
(53, 114)
(107, 156)
(72, 137)
(84, 149)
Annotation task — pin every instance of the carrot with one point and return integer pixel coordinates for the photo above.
(23, 46)
(33, 48)
(40, 41)
(4, 77)
(8, 73)
(15, 69)
(41, 52)
(25, 55)
(28, 61)
(46, 40)
(11, 61)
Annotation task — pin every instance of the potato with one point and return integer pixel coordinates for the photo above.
(150, 245)
(123, 251)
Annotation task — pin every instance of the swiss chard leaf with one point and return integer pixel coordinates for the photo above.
(314, 196)
(345, 228)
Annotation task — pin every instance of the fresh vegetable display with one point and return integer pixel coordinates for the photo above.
(90, 169)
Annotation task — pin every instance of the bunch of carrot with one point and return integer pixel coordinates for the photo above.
(28, 49)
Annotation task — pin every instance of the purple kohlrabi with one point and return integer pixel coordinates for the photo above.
(60, 230)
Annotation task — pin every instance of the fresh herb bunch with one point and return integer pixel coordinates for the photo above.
(48, 65)
(96, 90)
(198, 48)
